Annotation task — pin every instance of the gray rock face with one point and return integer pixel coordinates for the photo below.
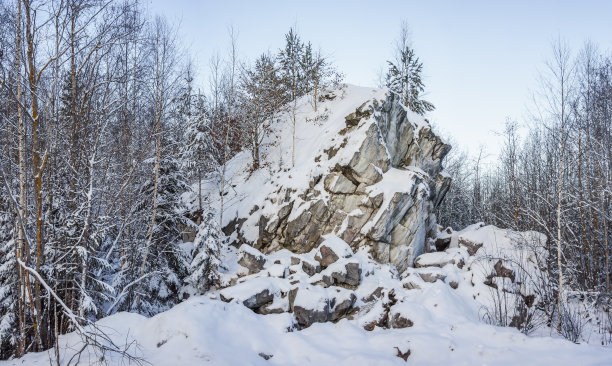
(310, 268)
(351, 276)
(345, 201)
(306, 317)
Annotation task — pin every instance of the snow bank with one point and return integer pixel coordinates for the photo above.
(439, 323)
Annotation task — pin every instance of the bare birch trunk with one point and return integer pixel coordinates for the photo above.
(293, 144)
(22, 208)
(225, 147)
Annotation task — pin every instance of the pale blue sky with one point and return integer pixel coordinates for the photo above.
(481, 58)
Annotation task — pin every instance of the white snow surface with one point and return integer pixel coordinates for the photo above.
(447, 329)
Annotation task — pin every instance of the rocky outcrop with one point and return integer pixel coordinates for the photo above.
(381, 195)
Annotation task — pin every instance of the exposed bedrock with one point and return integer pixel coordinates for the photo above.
(382, 197)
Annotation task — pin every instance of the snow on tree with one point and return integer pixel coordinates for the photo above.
(8, 289)
(262, 98)
(74, 260)
(291, 61)
(302, 71)
(166, 263)
(320, 74)
(204, 268)
(197, 152)
(404, 79)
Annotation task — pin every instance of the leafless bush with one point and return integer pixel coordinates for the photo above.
(521, 291)
(511, 310)
(607, 329)
(572, 323)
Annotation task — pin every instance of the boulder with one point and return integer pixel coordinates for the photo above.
(253, 301)
(400, 321)
(342, 308)
(305, 317)
(251, 258)
(431, 275)
(314, 304)
(353, 274)
(471, 246)
(254, 292)
(259, 299)
(277, 306)
(331, 250)
(376, 294)
(412, 282)
(440, 259)
(310, 268)
(350, 275)
(326, 256)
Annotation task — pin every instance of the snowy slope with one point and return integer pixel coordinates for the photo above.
(447, 327)
(245, 189)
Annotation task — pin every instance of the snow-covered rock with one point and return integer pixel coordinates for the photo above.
(255, 293)
(370, 174)
(441, 259)
(431, 274)
(263, 318)
(331, 250)
(311, 267)
(251, 258)
(314, 304)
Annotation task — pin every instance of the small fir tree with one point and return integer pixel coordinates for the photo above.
(404, 79)
(204, 269)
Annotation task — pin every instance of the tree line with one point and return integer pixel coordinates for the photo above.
(553, 175)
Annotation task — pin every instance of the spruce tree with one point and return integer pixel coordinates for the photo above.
(197, 152)
(74, 260)
(204, 269)
(291, 60)
(167, 264)
(404, 79)
(8, 288)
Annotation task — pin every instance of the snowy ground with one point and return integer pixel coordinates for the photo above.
(201, 331)
(447, 329)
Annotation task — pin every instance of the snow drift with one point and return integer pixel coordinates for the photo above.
(317, 308)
